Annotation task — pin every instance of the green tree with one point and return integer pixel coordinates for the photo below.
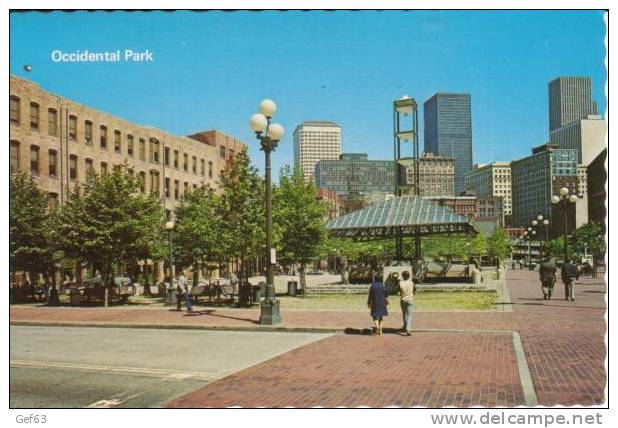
(589, 238)
(299, 216)
(196, 233)
(108, 221)
(499, 245)
(242, 235)
(30, 247)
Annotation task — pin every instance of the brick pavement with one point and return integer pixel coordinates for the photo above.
(432, 369)
(563, 342)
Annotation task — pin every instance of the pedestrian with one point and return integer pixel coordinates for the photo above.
(179, 293)
(547, 275)
(377, 302)
(46, 287)
(54, 298)
(188, 299)
(406, 293)
(569, 275)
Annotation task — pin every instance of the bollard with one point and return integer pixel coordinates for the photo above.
(476, 276)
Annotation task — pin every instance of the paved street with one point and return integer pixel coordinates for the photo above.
(106, 367)
(534, 351)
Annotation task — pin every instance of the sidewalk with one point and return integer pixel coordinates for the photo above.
(562, 352)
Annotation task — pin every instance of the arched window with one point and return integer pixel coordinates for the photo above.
(14, 109)
(52, 122)
(34, 116)
(34, 159)
(14, 156)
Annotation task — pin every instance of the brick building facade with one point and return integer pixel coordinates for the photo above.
(59, 141)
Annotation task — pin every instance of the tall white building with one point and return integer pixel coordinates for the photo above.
(315, 141)
(586, 135)
(492, 179)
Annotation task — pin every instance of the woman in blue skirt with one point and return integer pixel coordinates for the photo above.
(377, 301)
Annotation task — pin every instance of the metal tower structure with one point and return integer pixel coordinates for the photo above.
(405, 129)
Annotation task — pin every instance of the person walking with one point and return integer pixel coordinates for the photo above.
(569, 275)
(547, 275)
(179, 293)
(406, 293)
(377, 302)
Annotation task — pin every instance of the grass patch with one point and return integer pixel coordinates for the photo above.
(425, 301)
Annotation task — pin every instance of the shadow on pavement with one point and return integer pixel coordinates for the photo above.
(211, 312)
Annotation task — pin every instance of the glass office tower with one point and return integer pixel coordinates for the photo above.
(448, 132)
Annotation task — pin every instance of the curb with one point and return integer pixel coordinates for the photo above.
(333, 330)
(179, 326)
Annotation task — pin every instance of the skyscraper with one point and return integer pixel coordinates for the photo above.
(315, 141)
(448, 131)
(570, 99)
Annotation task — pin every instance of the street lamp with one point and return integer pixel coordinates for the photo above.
(170, 298)
(564, 201)
(268, 134)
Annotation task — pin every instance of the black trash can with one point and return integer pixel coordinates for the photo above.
(292, 287)
(244, 294)
(256, 294)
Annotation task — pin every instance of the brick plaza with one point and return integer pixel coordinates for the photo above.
(457, 359)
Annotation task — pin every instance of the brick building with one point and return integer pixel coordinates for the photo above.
(59, 141)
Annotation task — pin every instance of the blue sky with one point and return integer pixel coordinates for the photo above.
(211, 69)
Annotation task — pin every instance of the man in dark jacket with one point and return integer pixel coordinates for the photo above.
(569, 275)
(547, 275)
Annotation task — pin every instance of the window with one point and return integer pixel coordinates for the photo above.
(88, 132)
(186, 188)
(130, 145)
(176, 189)
(14, 109)
(154, 151)
(52, 122)
(52, 163)
(151, 150)
(103, 136)
(142, 149)
(89, 167)
(185, 161)
(72, 128)
(194, 164)
(34, 160)
(222, 152)
(202, 167)
(34, 116)
(142, 181)
(209, 169)
(231, 154)
(103, 168)
(14, 156)
(167, 187)
(73, 167)
(154, 183)
(176, 159)
(117, 143)
(166, 156)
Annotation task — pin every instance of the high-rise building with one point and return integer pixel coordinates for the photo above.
(354, 176)
(448, 131)
(570, 99)
(536, 178)
(59, 141)
(597, 178)
(315, 141)
(493, 179)
(586, 135)
(436, 175)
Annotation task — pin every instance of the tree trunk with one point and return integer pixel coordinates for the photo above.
(303, 279)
